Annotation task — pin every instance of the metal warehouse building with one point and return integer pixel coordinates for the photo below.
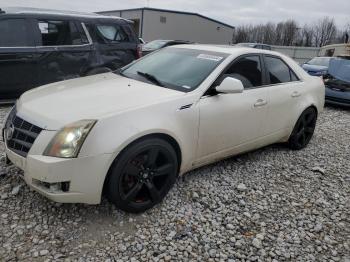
(152, 23)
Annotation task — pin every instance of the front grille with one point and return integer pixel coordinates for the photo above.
(23, 134)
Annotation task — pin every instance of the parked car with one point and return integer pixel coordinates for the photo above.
(131, 133)
(255, 45)
(338, 82)
(317, 66)
(158, 44)
(39, 46)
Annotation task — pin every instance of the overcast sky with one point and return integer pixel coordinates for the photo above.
(234, 12)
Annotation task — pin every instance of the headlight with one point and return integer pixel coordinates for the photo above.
(68, 141)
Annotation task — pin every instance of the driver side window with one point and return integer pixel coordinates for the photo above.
(248, 70)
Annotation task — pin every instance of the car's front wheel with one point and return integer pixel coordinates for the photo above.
(303, 130)
(142, 175)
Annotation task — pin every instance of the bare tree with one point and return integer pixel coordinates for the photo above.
(288, 33)
(290, 30)
(325, 31)
(307, 35)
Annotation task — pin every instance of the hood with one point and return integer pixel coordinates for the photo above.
(94, 97)
(314, 68)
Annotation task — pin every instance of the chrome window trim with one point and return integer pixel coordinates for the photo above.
(12, 47)
(263, 86)
(60, 46)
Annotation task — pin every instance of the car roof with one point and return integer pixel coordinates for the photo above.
(52, 12)
(228, 49)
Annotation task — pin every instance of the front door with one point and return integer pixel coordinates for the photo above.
(230, 122)
(17, 58)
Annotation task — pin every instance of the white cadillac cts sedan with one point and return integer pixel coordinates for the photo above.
(130, 133)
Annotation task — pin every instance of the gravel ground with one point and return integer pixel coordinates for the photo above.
(269, 205)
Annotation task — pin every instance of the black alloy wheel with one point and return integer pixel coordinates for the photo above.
(303, 130)
(143, 175)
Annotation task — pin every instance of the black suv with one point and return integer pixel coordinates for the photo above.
(39, 46)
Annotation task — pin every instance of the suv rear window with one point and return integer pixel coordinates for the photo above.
(111, 33)
(14, 33)
(57, 33)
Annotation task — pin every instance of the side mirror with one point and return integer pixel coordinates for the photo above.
(230, 85)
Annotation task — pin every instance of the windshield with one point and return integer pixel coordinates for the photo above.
(176, 68)
(320, 61)
(157, 44)
(340, 69)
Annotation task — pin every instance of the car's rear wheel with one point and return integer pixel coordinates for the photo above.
(303, 130)
(142, 175)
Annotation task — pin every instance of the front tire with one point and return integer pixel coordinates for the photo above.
(142, 175)
(303, 130)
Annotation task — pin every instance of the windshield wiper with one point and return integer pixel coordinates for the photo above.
(151, 78)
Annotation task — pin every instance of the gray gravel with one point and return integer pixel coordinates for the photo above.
(269, 205)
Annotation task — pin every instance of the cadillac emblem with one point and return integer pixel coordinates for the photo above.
(9, 132)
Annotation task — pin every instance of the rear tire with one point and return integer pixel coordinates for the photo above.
(303, 130)
(142, 175)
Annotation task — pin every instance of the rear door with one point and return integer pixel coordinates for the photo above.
(18, 68)
(115, 43)
(285, 94)
(64, 50)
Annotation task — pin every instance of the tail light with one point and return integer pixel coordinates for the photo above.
(139, 51)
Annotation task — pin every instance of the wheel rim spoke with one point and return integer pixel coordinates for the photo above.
(303, 138)
(155, 196)
(309, 130)
(131, 169)
(309, 119)
(152, 157)
(300, 133)
(131, 195)
(164, 170)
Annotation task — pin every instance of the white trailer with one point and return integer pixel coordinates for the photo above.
(335, 50)
(303, 54)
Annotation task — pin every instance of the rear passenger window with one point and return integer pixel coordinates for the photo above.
(57, 33)
(248, 70)
(14, 33)
(278, 71)
(111, 33)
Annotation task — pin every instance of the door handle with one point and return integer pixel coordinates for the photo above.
(296, 94)
(260, 102)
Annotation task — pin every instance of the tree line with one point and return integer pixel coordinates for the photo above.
(290, 33)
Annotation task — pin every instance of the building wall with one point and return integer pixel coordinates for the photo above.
(184, 27)
(177, 27)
